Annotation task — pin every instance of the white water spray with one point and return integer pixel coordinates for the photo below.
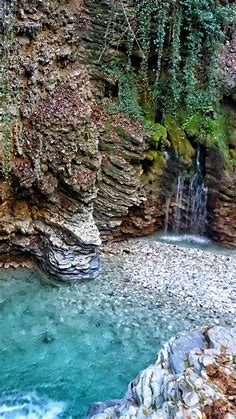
(190, 204)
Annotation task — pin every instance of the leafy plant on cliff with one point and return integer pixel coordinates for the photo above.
(128, 93)
(174, 66)
(179, 45)
(212, 132)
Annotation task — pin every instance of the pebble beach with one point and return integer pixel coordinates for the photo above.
(200, 283)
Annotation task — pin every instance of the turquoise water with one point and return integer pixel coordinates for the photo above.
(193, 241)
(64, 347)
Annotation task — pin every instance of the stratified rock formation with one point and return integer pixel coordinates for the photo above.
(194, 377)
(66, 146)
(79, 167)
(47, 212)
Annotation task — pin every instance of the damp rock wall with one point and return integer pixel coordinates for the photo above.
(81, 169)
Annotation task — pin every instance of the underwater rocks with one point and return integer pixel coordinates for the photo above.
(194, 376)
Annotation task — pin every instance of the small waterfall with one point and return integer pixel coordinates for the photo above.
(197, 218)
(198, 192)
(178, 204)
(190, 203)
(167, 211)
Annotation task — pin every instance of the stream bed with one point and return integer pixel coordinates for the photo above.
(63, 347)
(186, 240)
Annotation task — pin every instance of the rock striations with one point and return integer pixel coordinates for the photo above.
(80, 170)
(47, 210)
(193, 377)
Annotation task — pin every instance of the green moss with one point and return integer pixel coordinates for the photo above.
(232, 154)
(213, 132)
(192, 124)
(122, 133)
(156, 167)
(158, 133)
(186, 363)
(179, 140)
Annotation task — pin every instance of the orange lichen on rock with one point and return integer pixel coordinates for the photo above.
(221, 375)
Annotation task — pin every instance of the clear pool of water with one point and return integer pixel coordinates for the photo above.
(193, 241)
(64, 347)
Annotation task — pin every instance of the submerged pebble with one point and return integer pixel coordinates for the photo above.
(84, 342)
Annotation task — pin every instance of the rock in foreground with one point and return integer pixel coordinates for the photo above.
(194, 377)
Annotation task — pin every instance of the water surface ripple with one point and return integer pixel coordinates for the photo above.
(75, 344)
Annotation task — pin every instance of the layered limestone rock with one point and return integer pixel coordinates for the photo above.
(194, 377)
(67, 150)
(122, 146)
(79, 164)
(47, 211)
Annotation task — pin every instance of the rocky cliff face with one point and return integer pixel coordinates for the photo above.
(47, 212)
(221, 200)
(77, 167)
(65, 146)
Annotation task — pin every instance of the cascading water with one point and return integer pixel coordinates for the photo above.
(198, 200)
(190, 203)
(197, 218)
(168, 201)
(179, 204)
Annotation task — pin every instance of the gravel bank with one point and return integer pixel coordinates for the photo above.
(198, 283)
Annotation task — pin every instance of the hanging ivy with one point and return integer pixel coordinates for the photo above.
(174, 80)
(183, 40)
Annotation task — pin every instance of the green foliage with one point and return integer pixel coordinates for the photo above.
(213, 132)
(208, 130)
(179, 140)
(174, 66)
(183, 39)
(158, 138)
(128, 93)
(158, 132)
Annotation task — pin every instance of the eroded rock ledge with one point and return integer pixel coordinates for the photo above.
(78, 170)
(194, 377)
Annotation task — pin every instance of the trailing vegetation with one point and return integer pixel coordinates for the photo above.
(174, 63)
(179, 43)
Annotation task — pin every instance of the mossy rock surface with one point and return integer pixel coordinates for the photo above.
(232, 153)
(158, 134)
(214, 130)
(157, 167)
(232, 139)
(179, 140)
(209, 129)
